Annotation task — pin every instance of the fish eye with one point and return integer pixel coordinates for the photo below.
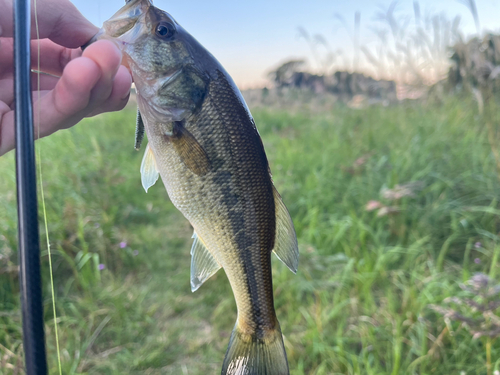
(165, 30)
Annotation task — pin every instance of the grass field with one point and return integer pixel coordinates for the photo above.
(360, 301)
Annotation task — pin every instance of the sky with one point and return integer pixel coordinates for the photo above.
(250, 38)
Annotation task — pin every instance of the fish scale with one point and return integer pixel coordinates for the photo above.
(241, 192)
(206, 147)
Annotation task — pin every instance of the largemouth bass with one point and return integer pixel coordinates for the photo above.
(205, 146)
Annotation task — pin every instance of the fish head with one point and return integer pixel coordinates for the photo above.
(163, 58)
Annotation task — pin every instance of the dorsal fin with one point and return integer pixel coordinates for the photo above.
(149, 170)
(203, 264)
(286, 247)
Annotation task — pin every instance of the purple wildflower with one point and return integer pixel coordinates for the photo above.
(101, 267)
(478, 245)
(123, 245)
(477, 260)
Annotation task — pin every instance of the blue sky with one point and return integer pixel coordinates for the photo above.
(251, 37)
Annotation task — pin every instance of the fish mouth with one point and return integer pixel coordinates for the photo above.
(126, 17)
(122, 28)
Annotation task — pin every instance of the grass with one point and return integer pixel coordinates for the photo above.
(359, 303)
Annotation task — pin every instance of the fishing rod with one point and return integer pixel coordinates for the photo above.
(27, 205)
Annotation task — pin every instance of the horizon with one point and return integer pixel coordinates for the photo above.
(272, 36)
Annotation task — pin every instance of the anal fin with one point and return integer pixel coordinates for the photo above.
(286, 247)
(149, 170)
(203, 264)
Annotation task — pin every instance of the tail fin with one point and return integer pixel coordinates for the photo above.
(251, 355)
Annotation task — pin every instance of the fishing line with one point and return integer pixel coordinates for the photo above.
(39, 162)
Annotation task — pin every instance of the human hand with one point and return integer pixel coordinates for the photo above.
(87, 83)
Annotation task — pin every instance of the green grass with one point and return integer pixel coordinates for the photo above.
(358, 304)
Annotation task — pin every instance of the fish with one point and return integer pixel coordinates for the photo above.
(205, 146)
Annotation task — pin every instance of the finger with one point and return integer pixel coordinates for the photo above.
(70, 96)
(53, 57)
(46, 82)
(58, 20)
(119, 95)
(6, 55)
(110, 92)
(7, 90)
(87, 83)
(65, 25)
(7, 86)
(6, 129)
(58, 108)
(108, 57)
(35, 97)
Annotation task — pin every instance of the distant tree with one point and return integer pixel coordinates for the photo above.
(282, 75)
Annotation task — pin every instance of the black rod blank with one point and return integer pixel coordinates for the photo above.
(27, 206)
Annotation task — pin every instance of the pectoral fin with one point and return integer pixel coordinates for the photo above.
(189, 150)
(149, 171)
(203, 264)
(139, 130)
(285, 244)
